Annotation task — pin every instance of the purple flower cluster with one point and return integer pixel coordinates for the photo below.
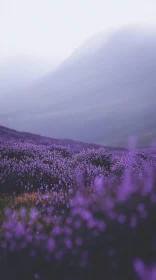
(96, 219)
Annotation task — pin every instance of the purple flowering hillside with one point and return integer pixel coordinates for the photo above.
(76, 214)
(12, 134)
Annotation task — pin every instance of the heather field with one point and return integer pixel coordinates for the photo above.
(70, 214)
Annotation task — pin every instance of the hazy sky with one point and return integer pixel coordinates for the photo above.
(57, 27)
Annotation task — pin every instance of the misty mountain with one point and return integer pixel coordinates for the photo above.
(103, 93)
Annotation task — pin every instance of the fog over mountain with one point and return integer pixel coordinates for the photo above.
(103, 93)
(20, 70)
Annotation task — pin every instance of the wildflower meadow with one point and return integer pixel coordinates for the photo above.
(69, 214)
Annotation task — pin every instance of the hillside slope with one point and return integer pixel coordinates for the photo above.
(104, 95)
(14, 135)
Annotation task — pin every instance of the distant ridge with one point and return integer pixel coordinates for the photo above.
(11, 134)
(14, 135)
